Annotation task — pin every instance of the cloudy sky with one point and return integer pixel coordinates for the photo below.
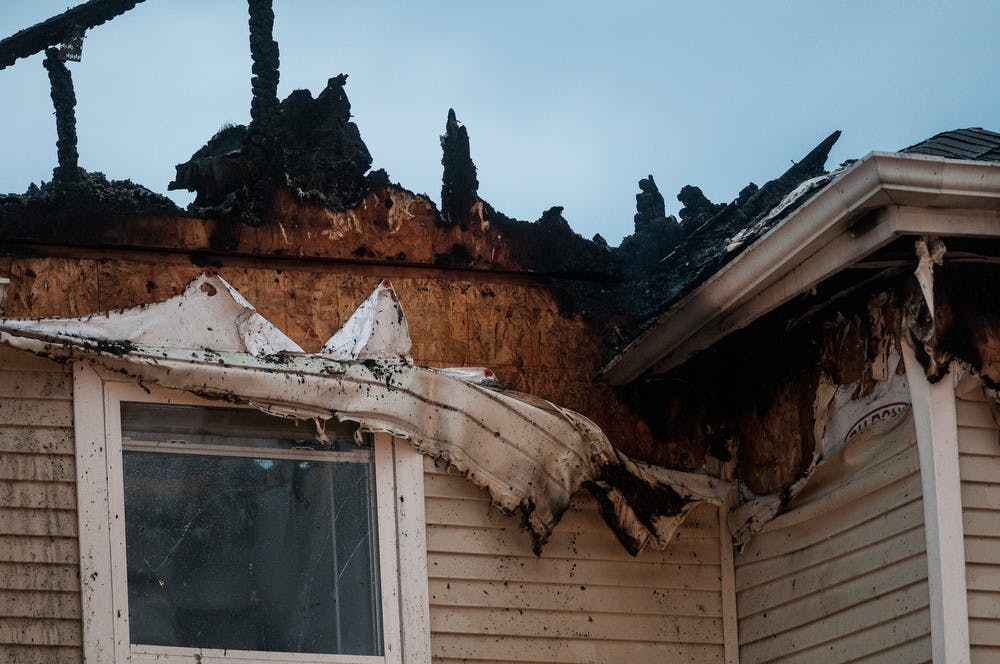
(567, 102)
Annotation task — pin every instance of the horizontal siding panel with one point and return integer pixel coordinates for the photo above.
(817, 579)
(19, 360)
(35, 440)
(478, 513)
(569, 651)
(26, 604)
(600, 573)
(774, 542)
(850, 504)
(982, 577)
(56, 578)
(545, 596)
(979, 468)
(56, 523)
(974, 414)
(579, 625)
(36, 385)
(980, 496)
(41, 655)
(978, 441)
(917, 651)
(38, 495)
(984, 632)
(36, 412)
(984, 604)
(836, 545)
(985, 523)
(984, 550)
(25, 631)
(572, 546)
(38, 467)
(817, 606)
(841, 625)
(985, 654)
(22, 549)
(881, 638)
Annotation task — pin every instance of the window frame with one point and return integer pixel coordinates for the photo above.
(97, 397)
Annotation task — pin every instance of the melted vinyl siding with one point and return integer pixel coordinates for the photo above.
(584, 600)
(979, 463)
(39, 559)
(842, 576)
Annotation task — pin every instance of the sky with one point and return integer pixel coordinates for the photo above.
(567, 102)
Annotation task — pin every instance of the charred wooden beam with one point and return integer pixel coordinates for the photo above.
(459, 186)
(64, 101)
(59, 29)
(262, 154)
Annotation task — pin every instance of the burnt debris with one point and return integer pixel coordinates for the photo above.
(707, 246)
(459, 186)
(655, 234)
(697, 208)
(320, 155)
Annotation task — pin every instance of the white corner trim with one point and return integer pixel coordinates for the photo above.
(92, 515)
(730, 618)
(414, 600)
(937, 443)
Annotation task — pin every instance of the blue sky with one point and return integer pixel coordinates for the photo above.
(567, 102)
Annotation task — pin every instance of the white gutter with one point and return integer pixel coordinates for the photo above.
(790, 258)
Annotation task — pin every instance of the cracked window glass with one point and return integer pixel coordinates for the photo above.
(243, 533)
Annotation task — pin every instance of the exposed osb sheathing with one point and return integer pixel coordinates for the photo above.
(508, 323)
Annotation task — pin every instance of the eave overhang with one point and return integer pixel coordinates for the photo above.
(878, 199)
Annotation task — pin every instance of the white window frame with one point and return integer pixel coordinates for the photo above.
(97, 398)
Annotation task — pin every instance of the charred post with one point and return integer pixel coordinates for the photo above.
(459, 186)
(64, 101)
(261, 152)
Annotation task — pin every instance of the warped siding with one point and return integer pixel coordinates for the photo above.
(584, 600)
(979, 463)
(39, 559)
(842, 575)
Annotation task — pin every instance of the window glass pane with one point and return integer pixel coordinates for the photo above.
(247, 553)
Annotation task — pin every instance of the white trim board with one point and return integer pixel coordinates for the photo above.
(936, 423)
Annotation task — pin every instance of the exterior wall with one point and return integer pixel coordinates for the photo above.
(39, 558)
(583, 600)
(842, 575)
(979, 462)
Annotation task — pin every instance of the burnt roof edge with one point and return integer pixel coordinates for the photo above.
(878, 180)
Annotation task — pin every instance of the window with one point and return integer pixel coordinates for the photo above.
(216, 533)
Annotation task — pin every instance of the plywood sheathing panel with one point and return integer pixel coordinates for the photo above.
(52, 287)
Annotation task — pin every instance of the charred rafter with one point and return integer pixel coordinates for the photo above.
(65, 27)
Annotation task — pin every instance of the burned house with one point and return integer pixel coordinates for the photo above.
(315, 417)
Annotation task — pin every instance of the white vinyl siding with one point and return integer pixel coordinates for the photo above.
(39, 556)
(842, 574)
(583, 600)
(979, 462)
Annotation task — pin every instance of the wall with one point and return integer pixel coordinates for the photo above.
(842, 575)
(511, 323)
(583, 600)
(979, 462)
(39, 558)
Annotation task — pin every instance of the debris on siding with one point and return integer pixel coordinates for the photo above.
(530, 454)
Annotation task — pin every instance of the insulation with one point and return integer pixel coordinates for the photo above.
(528, 453)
